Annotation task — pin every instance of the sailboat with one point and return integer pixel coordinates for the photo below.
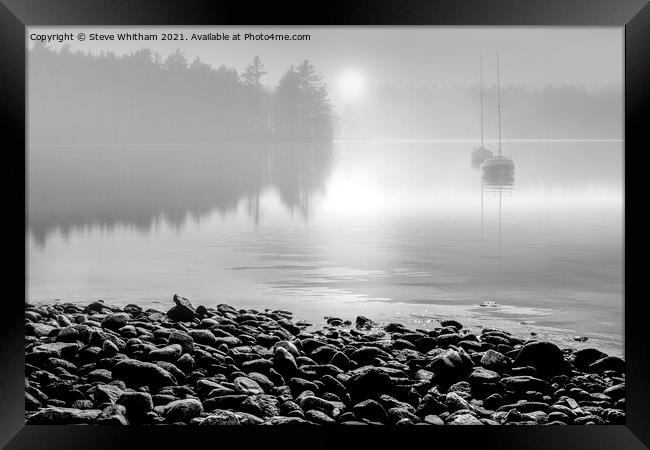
(481, 153)
(499, 166)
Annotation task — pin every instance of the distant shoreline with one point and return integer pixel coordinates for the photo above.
(334, 141)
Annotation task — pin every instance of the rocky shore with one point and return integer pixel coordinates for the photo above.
(102, 364)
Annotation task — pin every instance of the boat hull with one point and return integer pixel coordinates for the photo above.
(498, 166)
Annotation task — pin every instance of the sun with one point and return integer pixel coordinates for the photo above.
(351, 84)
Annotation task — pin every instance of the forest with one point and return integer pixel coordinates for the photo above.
(81, 98)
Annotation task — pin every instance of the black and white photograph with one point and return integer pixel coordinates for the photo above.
(325, 225)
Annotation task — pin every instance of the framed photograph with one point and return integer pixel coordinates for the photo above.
(292, 218)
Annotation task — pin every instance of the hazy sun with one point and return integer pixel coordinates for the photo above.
(351, 84)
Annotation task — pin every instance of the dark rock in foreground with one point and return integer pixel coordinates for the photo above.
(220, 366)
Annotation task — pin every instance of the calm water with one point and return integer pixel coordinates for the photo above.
(397, 231)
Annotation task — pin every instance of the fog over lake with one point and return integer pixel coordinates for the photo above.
(151, 173)
(390, 229)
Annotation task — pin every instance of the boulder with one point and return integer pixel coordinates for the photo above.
(183, 311)
(245, 385)
(369, 383)
(545, 357)
(451, 366)
(115, 321)
(182, 410)
(138, 373)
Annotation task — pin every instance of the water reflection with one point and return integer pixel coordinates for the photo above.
(496, 185)
(80, 187)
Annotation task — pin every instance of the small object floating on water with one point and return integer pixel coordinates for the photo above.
(580, 338)
(532, 333)
(489, 304)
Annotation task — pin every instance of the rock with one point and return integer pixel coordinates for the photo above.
(107, 393)
(282, 420)
(109, 349)
(433, 420)
(38, 329)
(480, 376)
(257, 365)
(183, 410)
(495, 361)
(614, 416)
(451, 366)
(168, 353)
(183, 339)
(247, 386)
(371, 410)
(115, 321)
(545, 357)
(63, 416)
(233, 401)
(319, 417)
(221, 417)
(65, 350)
(585, 357)
(262, 380)
(451, 323)
(183, 311)
(203, 337)
(128, 331)
(101, 375)
(340, 360)
(362, 322)
(113, 415)
(455, 402)
(284, 362)
(97, 306)
(608, 363)
(465, 419)
(312, 402)
(261, 405)
(137, 404)
(369, 383)
(178, 375)
(616, 392)
(448, 339)
(137, 373)
(68, 334)
(185, 363)
(288, 346)
(367, 355)
(524, 383)
(334, 321)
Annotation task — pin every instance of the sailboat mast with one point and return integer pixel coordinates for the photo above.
(481, 59)
(499, 103)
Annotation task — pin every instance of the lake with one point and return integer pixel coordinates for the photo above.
(395, 231)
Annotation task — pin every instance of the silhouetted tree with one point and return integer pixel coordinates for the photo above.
(303, 108)
(251, 77)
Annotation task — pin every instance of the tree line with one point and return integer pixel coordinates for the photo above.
(77, 97)
(441, 112)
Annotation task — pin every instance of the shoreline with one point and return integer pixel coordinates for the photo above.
(103, 364)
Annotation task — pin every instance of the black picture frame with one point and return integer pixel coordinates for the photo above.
(16, 15)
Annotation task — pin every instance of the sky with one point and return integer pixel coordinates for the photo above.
(354, 59)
